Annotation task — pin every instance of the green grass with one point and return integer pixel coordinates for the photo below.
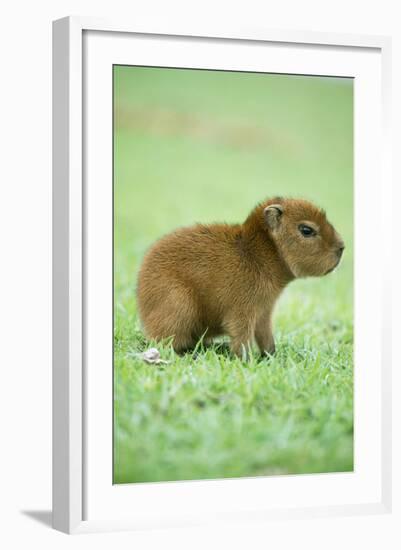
(204, 146)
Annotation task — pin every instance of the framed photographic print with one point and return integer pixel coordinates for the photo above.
(220, 324)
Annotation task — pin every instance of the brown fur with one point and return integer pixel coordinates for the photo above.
(209, 280)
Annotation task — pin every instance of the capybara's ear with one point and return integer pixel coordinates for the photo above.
(273, 214)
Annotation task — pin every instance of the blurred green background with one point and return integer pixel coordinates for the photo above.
(205, 146)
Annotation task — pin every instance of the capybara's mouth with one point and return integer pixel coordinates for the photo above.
(334, 266)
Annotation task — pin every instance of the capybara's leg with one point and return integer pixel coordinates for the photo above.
(174, 315)
(264, 335)
(240, 327)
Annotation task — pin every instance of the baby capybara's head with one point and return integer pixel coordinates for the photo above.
(306, 240)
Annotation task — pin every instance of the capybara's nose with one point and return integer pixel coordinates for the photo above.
(340, 250)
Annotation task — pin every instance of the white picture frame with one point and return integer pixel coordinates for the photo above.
(83, 49)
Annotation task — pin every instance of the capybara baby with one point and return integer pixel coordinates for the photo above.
(221, 279)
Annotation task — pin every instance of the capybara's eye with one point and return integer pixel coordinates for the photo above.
(306, 230)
